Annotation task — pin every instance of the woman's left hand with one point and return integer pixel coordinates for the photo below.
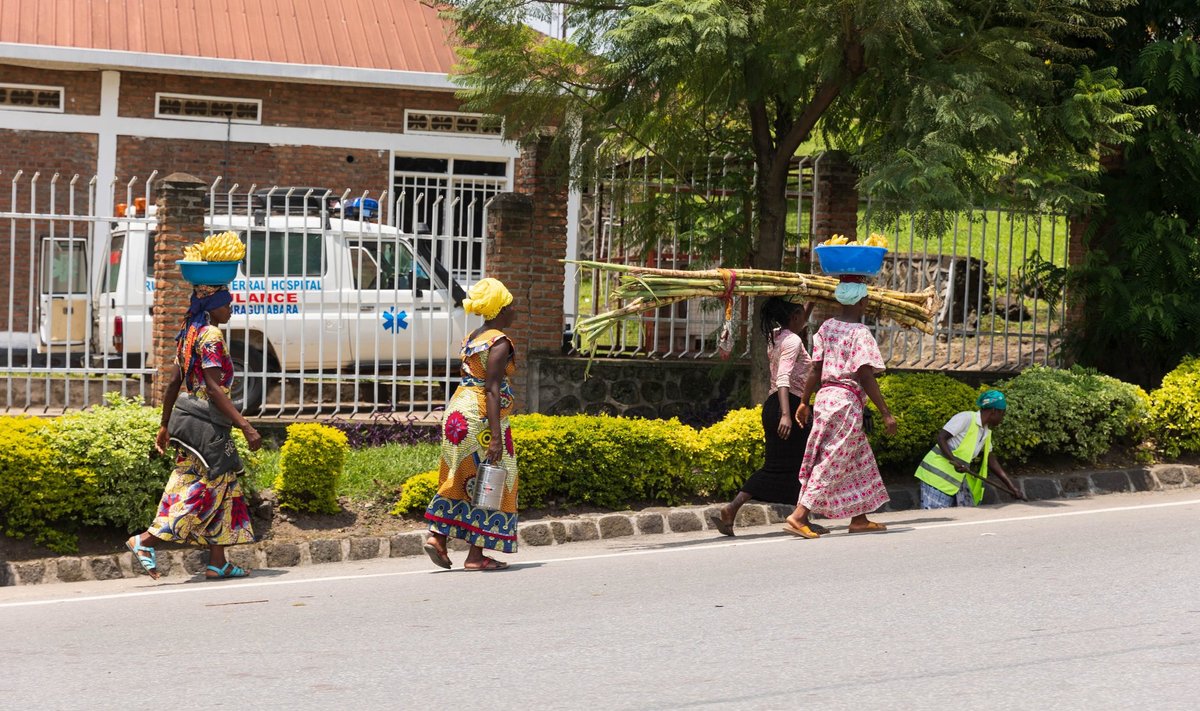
(889, 424)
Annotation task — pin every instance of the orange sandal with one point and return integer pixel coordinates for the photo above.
(803, 531)
(871, 527)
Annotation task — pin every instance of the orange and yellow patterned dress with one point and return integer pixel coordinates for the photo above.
(195, 508)
(466, 435)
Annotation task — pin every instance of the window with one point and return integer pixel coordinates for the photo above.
(115, 250)
(30, 97)
(293, 254)
(207, 108)
(384, 265)
(151, 238)
(64, 266)
(452, 122)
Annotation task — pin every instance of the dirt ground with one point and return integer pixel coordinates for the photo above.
(374, 519)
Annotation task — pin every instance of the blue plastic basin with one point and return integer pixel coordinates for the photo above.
(860, 260)
(208, 273)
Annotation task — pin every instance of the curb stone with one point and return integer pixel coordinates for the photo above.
(179, 564)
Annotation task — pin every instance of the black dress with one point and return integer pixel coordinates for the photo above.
(778, 481)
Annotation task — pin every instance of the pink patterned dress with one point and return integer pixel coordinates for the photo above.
(839, 477)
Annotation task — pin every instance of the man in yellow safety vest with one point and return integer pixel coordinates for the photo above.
(961, 440)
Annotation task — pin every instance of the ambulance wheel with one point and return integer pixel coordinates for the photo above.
(249, 378)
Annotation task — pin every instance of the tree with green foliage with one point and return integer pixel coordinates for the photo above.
(938, 101)
(1138, 291)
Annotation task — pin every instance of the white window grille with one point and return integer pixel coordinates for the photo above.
(31, 97)
(441, 201)
(457, 123)
(188, 107)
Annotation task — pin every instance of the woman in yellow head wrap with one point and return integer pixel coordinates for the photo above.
(475, 430)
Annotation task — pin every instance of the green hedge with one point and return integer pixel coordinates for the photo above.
(1077, 412)
(1175, 410)
(114, 444)
(40, 495)
(608, 462)
(310, 463)
(921, 404)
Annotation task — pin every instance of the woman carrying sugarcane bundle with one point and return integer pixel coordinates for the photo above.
(839, 477)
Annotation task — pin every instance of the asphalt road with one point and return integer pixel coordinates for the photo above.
(1089, 604)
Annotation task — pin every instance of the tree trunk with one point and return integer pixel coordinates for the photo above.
(771, 202)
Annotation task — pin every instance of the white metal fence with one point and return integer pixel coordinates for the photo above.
(346, 304)
(1000, 273)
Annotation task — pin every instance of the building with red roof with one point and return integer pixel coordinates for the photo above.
(350, 95)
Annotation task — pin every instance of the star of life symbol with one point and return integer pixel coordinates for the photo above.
(393, 321)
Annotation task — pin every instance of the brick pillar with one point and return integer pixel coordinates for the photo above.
(180, 222)
(526, 236)
(834, 212)
(835, 197)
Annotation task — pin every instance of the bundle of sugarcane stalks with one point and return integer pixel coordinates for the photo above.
(645, 289)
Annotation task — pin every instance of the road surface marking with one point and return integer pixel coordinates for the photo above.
(717, 543)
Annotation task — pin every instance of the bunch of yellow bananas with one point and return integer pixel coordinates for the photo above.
(223, 247)
(875, 240)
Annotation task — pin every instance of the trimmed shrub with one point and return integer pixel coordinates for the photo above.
(310, 462)
(728, 452)
(418, 491)
(113, 443)
(1175, 410)
(921, 404)
(608, 462)
(39, 495)
(1076, 412)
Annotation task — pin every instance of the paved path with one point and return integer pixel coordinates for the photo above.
(1088, 604)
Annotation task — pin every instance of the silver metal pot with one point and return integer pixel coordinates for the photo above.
(490, 480)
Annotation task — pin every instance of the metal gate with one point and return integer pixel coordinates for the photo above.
(1000, 274)
(346, 305)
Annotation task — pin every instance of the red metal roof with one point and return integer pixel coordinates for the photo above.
(398, 35)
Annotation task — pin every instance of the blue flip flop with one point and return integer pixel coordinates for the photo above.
(229, 570)
(149, 562)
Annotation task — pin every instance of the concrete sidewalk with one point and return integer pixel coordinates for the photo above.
(181, 564)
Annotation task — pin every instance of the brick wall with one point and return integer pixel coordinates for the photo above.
(253, 163)
(47, 153)
(81, 89)
(291, 104)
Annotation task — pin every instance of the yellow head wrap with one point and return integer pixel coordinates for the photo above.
(486, 298)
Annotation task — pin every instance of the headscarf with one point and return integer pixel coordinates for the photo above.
(204, 299)
(486, 298)
(992, 400)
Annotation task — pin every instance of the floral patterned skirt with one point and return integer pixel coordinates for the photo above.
(839, 477)
(465, 438)
(201, 511)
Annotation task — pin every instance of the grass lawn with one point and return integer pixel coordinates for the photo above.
(372, 474)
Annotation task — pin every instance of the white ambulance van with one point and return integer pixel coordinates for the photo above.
(325, 288)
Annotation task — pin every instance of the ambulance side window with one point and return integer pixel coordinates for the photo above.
(294, 254)
(394, 264)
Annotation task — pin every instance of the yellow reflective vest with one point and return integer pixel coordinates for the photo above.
(938, 472)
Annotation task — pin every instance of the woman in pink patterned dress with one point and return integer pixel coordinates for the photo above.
(839, 477)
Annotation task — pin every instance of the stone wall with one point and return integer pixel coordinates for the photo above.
(637, 388)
